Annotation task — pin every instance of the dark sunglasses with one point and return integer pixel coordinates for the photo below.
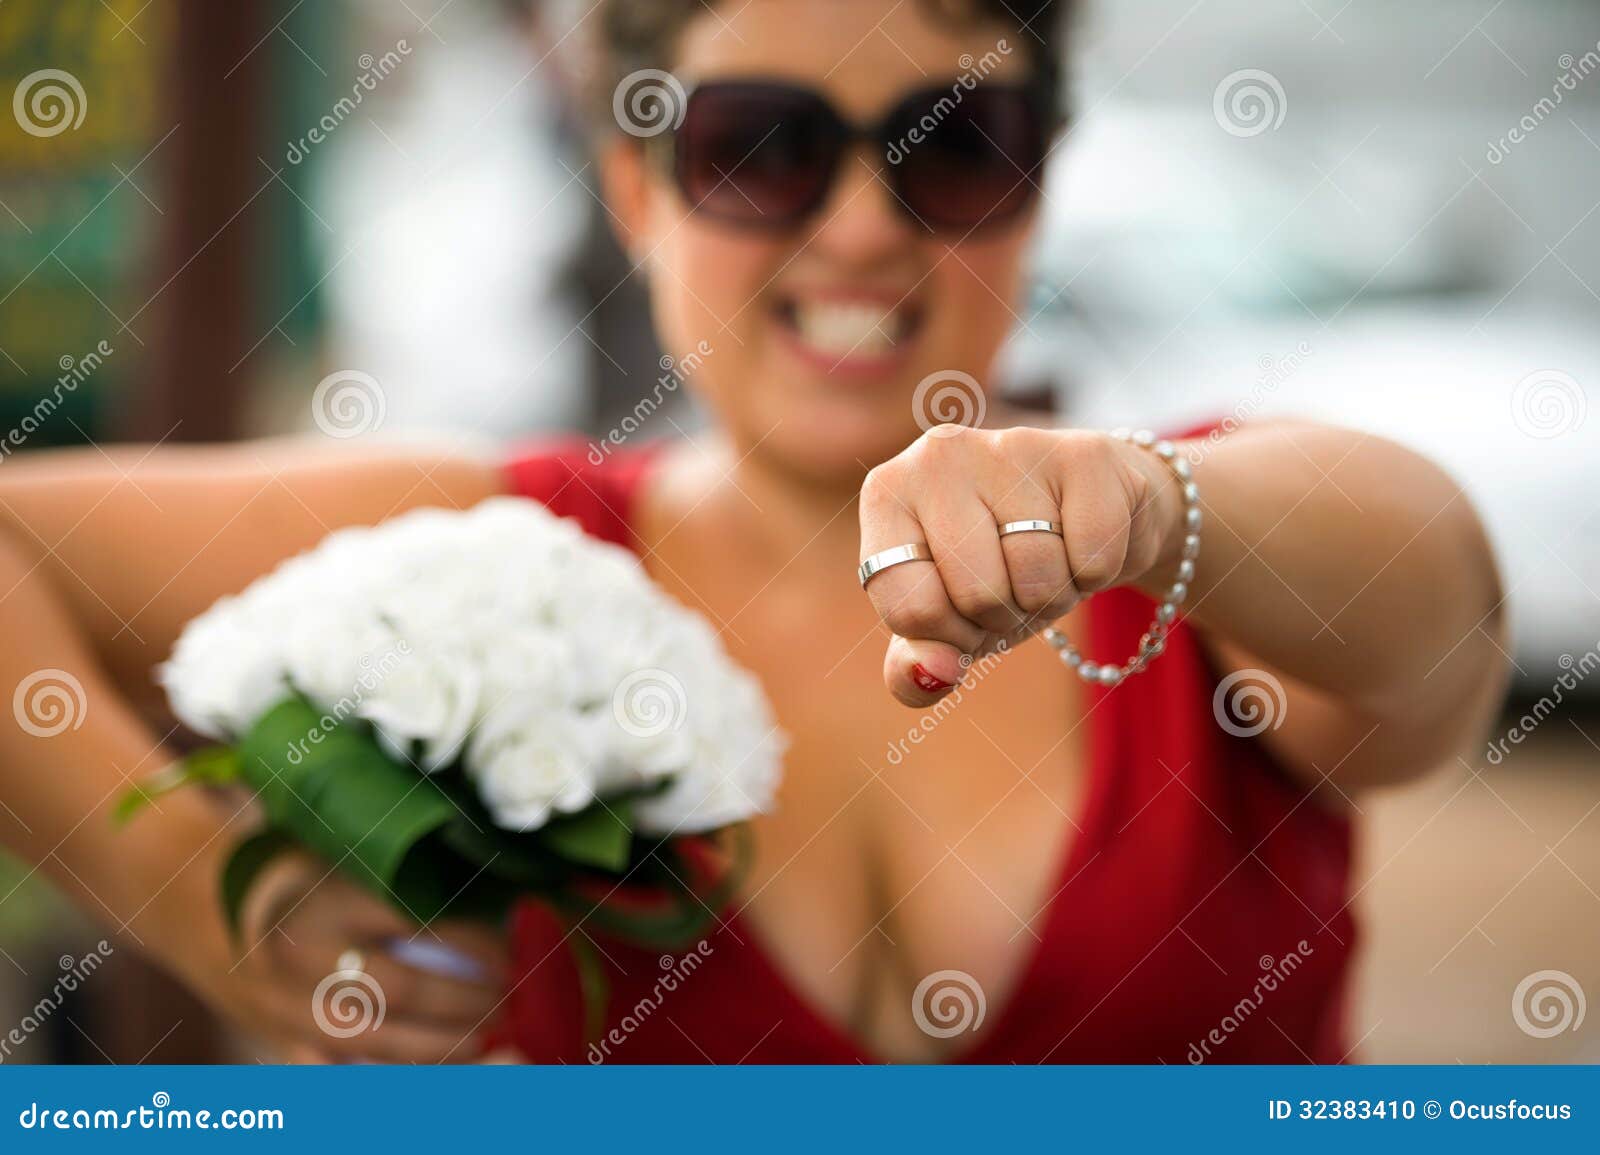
(765, 155)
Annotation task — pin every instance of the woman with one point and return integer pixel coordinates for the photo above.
(1107, 867)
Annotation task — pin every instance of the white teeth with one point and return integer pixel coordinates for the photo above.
(840, 330)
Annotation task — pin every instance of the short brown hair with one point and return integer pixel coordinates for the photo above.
(643, 34)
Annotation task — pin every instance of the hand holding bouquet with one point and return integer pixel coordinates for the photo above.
(462, 709)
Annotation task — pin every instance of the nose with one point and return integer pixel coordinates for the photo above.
(862, 221)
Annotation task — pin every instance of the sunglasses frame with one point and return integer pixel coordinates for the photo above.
(845, 134)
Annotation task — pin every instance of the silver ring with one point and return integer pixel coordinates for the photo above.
(1011, 527)
(353, 961)
(884, 559)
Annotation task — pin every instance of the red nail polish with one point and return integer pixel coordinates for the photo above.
(927, 682)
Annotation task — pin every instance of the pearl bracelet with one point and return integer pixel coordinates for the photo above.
(1155, 638)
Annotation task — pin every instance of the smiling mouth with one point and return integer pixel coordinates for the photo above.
(850, 331)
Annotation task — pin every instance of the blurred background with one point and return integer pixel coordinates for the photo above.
(1384, 215)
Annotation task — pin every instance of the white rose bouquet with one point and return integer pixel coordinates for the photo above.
(462, 709)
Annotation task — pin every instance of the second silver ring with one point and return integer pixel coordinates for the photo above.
(1032, 526)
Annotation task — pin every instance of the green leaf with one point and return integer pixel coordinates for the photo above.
(598, 836)
(330, 786)
(211, 766)
(244, 864)
(595, 989)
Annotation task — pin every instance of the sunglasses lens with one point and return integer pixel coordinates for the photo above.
(756, 153)
(979, 162)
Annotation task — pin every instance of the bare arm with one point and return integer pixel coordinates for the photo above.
(103, 558)
(1341, 566)
(1358, 575)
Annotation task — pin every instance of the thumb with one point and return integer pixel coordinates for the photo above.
(920, 672)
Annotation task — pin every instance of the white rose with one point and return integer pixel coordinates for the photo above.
(503, 639)
(530, 764)
(431, 696)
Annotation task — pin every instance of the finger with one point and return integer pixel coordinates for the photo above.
(1036, 561)
(919, 673)
(372, 1015)
(468, 951)
(965, 541)
(298, 1053)
(909, 598)
(347, 975)
(331, 917)
(1096, 521)
(433, 998)
(399, 1040)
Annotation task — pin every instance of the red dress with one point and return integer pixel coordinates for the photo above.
(1203, 911)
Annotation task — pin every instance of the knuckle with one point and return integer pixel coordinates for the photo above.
(1035, 593)
(915, 618)
(879, 484)
(1143, 550)
(972, 600)
(1100, 568)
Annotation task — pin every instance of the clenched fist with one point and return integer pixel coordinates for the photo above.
(1119, 507)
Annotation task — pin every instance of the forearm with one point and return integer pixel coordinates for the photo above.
(1357, 570)
(70, 748)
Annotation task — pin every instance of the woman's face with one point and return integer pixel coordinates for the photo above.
(820, 334)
